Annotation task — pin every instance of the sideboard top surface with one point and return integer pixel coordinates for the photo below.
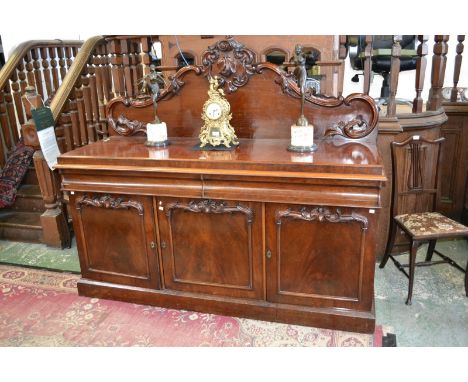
(260, 155)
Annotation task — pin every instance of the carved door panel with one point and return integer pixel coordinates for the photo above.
(116, 238)
(319, 256)
(211, 246)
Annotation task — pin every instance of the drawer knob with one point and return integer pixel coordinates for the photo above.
(163, 244)
(268, 254)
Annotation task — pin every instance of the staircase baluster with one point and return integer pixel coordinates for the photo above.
(46, 71)
(54, 70)
(74, 119)
(94, 97)
(124, 49)
(421, 64)
(81, 113)
(117, 69)
(11, 112)
(342, 53)
(30, 69)
(134, 65)
(5, 143)
(6, 130)
(15, 86)
(439, 61)
(394, 73)
(457, 68)
(367, 63)
(37, 71)
(61, 61)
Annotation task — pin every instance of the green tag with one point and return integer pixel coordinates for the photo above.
(43, 118)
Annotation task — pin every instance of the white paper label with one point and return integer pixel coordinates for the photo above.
(49, 146)
(156, 132)
(302, 135)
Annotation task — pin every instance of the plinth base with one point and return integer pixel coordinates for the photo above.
(158, 144)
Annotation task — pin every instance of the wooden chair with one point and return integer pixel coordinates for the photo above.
(415, 163)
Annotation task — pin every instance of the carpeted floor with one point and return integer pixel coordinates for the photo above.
(40, 256)
(438, 316)
(42, 308)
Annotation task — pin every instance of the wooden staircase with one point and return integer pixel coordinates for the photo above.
(22, 221)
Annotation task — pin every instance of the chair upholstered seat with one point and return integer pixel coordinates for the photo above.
(426, 225)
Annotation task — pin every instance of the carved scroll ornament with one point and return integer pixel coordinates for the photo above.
(355, 128)
(126, 127)
(106, 201)
(234, 61)
(209, 207)
(321, 214)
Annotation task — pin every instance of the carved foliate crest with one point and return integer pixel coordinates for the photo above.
(231, 61)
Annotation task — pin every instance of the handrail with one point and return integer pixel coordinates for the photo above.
(22, 49)
(69, 82)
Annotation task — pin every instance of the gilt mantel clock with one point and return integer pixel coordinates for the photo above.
(216, 115)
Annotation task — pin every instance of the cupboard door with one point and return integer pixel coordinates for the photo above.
(211, 246)
(116, 238)
(320, 256)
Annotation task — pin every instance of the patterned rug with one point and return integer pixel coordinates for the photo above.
(42, 308)
(13, 173)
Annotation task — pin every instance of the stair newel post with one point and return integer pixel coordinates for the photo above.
(394, 74)
(420, 73)
(457, 68)
(55, 232)
(439, 61)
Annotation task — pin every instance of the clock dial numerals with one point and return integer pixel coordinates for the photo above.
(213, 111)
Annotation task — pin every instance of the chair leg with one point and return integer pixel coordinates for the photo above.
(390, 242)
(412, 263)
(430, 249)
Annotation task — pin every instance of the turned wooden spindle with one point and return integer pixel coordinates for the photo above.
(68, 57)
(394, 74)
(127, 74)
(117, 68)
(88, 108)
(37, 71)
(439, 61)
(457, 68)
(22, 77)
(367, 63)
(342, 54)
(54, 70)
(81, 113)
(11, 113)
(98, 69)
(421, 64)
(61, 62)
(46, 71)
(29, 69)
(74, 119)
(94, 97)
(134, 53)
(15, 86)
(146, 59)
(5, 126)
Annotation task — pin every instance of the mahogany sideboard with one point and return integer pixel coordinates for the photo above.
(256, 232)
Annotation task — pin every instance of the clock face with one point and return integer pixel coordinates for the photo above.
(213, 111)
